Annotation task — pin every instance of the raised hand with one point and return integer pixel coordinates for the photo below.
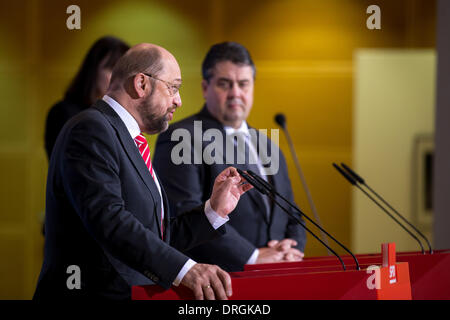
(228, 187)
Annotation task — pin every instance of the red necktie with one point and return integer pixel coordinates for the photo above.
(145, 153)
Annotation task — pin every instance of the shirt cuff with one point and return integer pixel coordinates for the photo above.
(187, 266)
(253, 257)
(213, 217)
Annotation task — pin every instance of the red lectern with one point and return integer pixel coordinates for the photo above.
(429, 276)
(309, 279)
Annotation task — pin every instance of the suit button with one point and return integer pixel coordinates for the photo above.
(151, 276)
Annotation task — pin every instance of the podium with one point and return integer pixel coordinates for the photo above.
(402, 276)
(429, 276)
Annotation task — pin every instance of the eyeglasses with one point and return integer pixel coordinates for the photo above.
(173, 88)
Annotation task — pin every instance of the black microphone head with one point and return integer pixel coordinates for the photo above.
(252, 181)
(260, 180)
(281, 120)
(345, 174)
(353, 173)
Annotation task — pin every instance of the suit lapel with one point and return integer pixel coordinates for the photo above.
(166, 215)
(258, 197)
(133, 154)
(272, 179)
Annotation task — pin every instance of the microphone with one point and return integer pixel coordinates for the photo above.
(354, 182)
(361, 181)
(280, 119)
(271, 189)
(264, 190)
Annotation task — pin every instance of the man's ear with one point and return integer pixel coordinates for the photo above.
(204, 87)
(140, 84)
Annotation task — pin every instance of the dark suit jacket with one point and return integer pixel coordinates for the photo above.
(57, 117)
(188, 185)
(103, 211)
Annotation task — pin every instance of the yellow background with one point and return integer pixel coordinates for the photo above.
(394, 94)
(303, 51)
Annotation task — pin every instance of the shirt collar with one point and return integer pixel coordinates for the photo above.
(125, 116)
(242, 129)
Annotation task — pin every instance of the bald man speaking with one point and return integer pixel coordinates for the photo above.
(107, 221)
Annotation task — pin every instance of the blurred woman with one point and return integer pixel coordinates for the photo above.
(90, 84)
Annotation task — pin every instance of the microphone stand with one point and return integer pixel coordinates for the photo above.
(361, 181)
(263, 190)
(302, 178)
(353, 182)
(272, 190)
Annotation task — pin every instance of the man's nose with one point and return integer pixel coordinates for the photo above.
(234, 90)
(177, 100)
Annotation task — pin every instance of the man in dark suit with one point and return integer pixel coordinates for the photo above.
(258, 231)
(107, 216)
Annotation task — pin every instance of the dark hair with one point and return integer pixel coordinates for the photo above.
(226, 51)
(106, 51)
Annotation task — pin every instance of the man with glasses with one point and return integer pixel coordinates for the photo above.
(107, 216)
(258, 231)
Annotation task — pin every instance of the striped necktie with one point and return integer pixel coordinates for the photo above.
(142, 145)
(145, 152)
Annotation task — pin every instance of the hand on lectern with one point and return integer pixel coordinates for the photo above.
(208, 282)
